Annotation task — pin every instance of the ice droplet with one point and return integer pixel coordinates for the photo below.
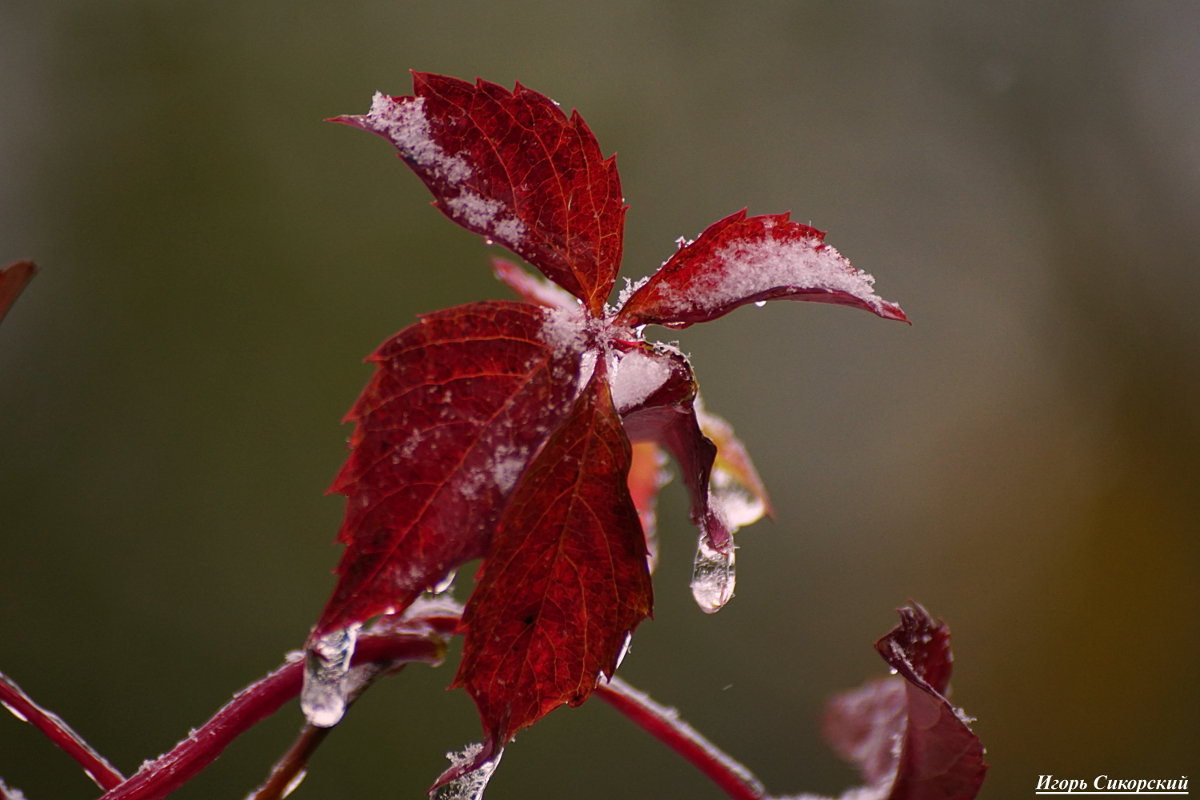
(624, 651)
(712, 577)
(445, 584)
(470, 785)
(759, 303)
(324, 695)
(14, 712)
(296, 780)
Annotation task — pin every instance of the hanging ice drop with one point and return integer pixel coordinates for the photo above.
(323, 697)
(712, 576)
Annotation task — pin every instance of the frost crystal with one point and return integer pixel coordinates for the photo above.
(485, 213)
(804, 263)
(563, 328)
(408, 128)
(10, 792)
(470, 785)
(636, 376)
(630, 287)
(507, 464)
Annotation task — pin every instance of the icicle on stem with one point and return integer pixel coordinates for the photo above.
(159, 778)
(327, 661)
(712, 576)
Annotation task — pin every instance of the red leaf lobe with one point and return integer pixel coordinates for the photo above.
(458, 404)
(566, 579)
(512, 167)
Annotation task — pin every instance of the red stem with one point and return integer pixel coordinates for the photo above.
(665, 725)
(23, 707)
(287, 770)
(256, 702)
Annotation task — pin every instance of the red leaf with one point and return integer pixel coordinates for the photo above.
(667, 416)
(741, 260)
(459, 404)
(512, 167)
(566, 579)
(939, 758)
(12, 280)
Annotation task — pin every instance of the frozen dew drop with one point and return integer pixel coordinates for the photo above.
(470, 785)
(624, 651)
(759, 303)
(14, 712)
(445, 584)
(323, 697)
(296, 780)
(712, 577)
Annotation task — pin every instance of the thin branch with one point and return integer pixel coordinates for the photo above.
(665, 725)
(25, 709)
(290, 768)
(168, 772)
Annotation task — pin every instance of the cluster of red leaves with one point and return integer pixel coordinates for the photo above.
(502, 430)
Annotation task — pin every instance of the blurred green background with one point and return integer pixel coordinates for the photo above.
(1023, 177)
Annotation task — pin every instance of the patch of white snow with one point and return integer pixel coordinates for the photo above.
(405, 124)
(805, 263)
(636, 376)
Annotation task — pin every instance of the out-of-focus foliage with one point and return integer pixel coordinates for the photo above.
(215, 262)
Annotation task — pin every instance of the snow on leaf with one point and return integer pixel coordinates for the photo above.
(636, 375)
(741, 260)
(902, 733)
(13, 279)
(566, 578)
(458, 405)
(512, 167)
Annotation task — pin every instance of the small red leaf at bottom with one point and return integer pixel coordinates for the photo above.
(939, 758)
(566, 579)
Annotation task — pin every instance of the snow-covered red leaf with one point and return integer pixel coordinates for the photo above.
(566, 579)
(12, 280)
(512, 167)
(459, 404)
(741, 260)
(938, 757)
